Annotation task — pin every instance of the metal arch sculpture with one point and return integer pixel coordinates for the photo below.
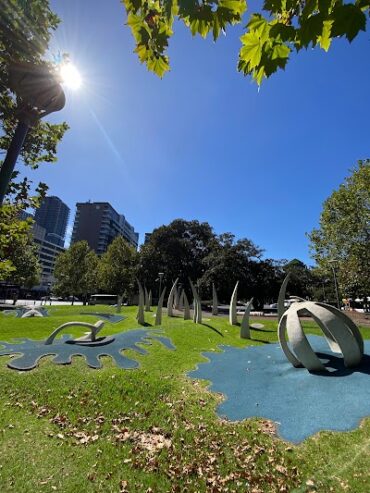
(245, 332)
(214, 301)
(171, 299)
(140, 311)
(197, 316)
(281, 298)
(176, 298)
(181, 300)
(146, 300)
(158, 315)
(187, 315)
(32, 312)
(341, 333)
(233, 318)
(94, 329)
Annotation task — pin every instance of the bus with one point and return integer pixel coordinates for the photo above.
(103, 299)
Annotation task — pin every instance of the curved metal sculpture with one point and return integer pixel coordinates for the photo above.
(214, 301)
(146, 300)
(281, 298)
(181, 300)
(119, 303)
(170, 299)
(158, 315)
(197, 315)
(176, 298)
(187, 315)
(233, 318)
(140, 311)
(340, 332)
(245, 332)
(94, 329)
(32, 312)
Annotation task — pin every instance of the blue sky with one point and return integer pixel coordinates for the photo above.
(203, 143)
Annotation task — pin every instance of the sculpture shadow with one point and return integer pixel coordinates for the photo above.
(260, 340)
(214, 329)
(336, 368)
(262, 330)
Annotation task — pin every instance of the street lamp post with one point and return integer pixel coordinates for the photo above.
(39, 93)
(332, 263)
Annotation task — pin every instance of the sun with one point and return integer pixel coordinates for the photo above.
(70, 76)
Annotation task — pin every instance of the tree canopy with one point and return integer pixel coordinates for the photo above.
(18, 257)
(177, 250)
(190, 249)
(230, 261)
(343, 235)
(271, 34)
(26, 29)
(117, 268)
(76, 271)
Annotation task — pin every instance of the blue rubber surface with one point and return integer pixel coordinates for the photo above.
(28, 352)
(258, 381)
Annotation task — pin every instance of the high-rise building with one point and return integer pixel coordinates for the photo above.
(147, 237)
(53, 216)
(47, 252)
(98, 223)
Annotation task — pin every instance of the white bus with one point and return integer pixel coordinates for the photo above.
(103, 299)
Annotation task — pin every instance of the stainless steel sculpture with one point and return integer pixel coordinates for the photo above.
(94, 329)
(214, 301)
(181, 300)
(233, 318)
(340, 332)
(32, 312)
(187, 315)
(171, 299)
(119, 303)
(281, 298)
(140, 311)
(197, 315)
(245, 332)
(146, 300)
(176, 298)
(158, 315)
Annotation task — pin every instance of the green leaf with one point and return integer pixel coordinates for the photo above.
(251, 50)
(282, 32)
(275, 6)
(310, 7)
(310, 30)
(259, 24)
(348, 21)
(159, 65)
(325, 38)
(280, 51)
(236, 7)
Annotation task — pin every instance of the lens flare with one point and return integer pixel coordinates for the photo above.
(70, 76)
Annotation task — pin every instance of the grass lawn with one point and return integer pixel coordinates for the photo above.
(75, 429)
